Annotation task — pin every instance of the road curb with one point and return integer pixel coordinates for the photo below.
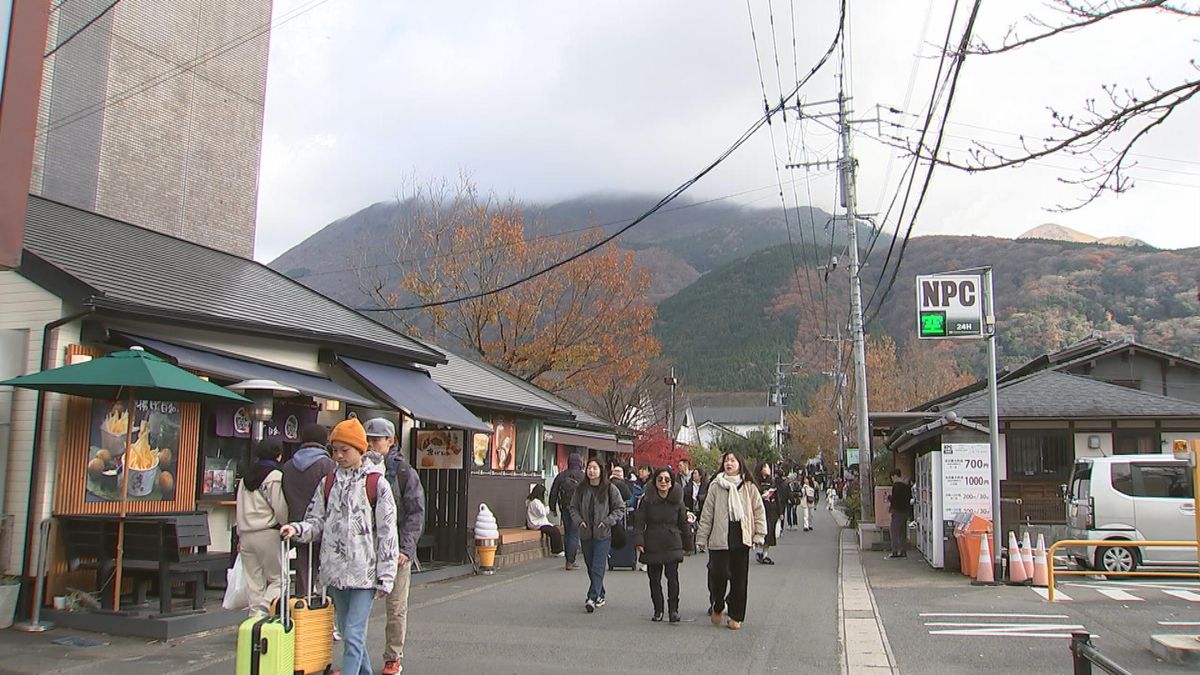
(858, 616)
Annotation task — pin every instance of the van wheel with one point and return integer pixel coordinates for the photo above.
(1116, 559)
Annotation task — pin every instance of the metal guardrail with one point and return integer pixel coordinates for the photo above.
(1084, 655)
(1126, 543)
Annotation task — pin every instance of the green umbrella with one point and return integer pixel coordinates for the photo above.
(126, 376)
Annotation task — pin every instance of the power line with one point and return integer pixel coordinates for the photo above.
(746, 135)
(957, 70)
(167, 75)
(87, 24)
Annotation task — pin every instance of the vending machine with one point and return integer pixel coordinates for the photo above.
(927, 508)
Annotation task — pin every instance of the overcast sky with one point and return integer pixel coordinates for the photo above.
(550, 100)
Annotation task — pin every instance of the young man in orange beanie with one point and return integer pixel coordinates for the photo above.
(359, 548)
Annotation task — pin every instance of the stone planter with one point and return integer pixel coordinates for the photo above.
(8, 603)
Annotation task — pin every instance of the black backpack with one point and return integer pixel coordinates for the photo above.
(796, 491)
(566, 491)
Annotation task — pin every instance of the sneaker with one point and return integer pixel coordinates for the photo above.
(600, 602)
(571, 566)
(767, 560)
(391, 667)
(590, 606)
(337, 637)
(758, 556)
(894, 556)
(674, 617)
(657, 616)
(560, 554)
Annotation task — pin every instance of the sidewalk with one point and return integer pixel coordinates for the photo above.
(35, 653)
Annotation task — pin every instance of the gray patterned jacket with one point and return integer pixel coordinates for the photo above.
(358, 549)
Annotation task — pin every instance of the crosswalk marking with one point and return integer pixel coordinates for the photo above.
(1000, 624)
(994, 615)
(1118, 594)
(1045, 593)
(1179, 623)
(1183, 595)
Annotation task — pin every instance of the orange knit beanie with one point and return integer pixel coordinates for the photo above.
(351, 433)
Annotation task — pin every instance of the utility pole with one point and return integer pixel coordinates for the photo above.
(839, 379)
(847, 167)
(671, 381)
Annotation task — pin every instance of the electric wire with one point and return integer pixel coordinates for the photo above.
(746, 135)
(87, 24)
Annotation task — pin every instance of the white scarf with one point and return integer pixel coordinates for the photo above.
(737, 510)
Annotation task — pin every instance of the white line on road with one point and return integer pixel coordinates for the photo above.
(1039, 626)
(997, 615)
(1045, 593)
(1118, 594)
(985, 633)
(1183, 595)
(1179, 623)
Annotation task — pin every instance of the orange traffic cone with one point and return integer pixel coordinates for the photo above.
(1016, 565)
(1041, 574)
(1027, 554)
(984, 575)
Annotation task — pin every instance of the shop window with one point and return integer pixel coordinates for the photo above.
(1039, 455)
(1135, 442)
(224, 457)
(514, 446)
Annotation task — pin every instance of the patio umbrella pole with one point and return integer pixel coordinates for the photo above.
(123, 509)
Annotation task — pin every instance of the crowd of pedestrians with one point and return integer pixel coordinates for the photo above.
(356, 508)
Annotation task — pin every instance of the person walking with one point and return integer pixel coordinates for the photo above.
(808, 502)
(309, 465)
(536, 518)
(597, 507)
(410, 521)
(901, 506)
(830, 497)
(661, 535)
(617, 477)
(562, 491)
(693, 500)
(772, 496)
(733, 519)
(795, 495)
(261, 509)
(353, 516)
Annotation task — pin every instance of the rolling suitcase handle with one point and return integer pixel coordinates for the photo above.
(284, 583)
(312, 582)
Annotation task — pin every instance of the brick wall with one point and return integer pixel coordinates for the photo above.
(132, 128)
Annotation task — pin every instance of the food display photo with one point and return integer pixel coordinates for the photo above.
(150, 457)
(439, 449)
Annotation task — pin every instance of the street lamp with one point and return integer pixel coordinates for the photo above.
(262, 393)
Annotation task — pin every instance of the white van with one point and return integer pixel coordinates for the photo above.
(1127, 498)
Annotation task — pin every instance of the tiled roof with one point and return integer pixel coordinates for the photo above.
(1052, 394)
(481, 383)
(136, 268)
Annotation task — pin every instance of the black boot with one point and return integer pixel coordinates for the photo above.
(657, 615)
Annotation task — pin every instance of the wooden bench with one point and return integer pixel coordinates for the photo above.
(160, 549)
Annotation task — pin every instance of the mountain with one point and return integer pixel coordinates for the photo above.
(677, 245)
(725, 331)
(1055, 232)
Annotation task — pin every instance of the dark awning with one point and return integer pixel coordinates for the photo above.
(586, 439)
(414, 393)
(220, 365)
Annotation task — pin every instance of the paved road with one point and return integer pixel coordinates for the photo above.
(531, 620)
(936, 622)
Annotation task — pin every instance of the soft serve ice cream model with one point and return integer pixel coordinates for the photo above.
(487, 537)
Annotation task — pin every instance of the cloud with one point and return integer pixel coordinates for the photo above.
(546, 100)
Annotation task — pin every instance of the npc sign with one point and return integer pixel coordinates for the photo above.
(950, 306)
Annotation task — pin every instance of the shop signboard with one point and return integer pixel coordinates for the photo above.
(950, 306)
(150, 458)
(480, 447)
(966, 479)
(439, 449)
(286, 422)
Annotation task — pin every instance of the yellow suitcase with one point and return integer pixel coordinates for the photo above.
(312, 616)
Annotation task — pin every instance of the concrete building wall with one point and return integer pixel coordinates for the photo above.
(1150, 374)
(153, 115)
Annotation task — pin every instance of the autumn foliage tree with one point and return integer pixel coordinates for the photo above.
(579, 328)
(654, 446)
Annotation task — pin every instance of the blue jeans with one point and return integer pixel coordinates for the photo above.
(570, 537)
(352, 607)
(595, 558)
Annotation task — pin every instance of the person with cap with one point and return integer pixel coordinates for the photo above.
(309, 465)
(261, 509)
(353, 516)
(410, 521)
(562, 491)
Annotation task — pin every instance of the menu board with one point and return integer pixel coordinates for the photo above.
(437, 449)
(150, 456)
(966, 479)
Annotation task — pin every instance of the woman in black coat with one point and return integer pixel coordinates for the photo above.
(661, 533)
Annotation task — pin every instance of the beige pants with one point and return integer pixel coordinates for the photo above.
(397, 614)
(261, 565)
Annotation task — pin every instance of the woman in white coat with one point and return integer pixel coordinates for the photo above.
(261, 510)
(733, 519)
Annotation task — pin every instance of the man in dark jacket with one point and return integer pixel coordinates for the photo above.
(901, 503)
(410, 521)
(561, 492)
(302, 474)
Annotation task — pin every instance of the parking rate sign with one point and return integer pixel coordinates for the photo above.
(966, 479)
(949, 306)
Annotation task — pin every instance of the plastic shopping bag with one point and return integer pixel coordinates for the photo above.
(237, 596)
